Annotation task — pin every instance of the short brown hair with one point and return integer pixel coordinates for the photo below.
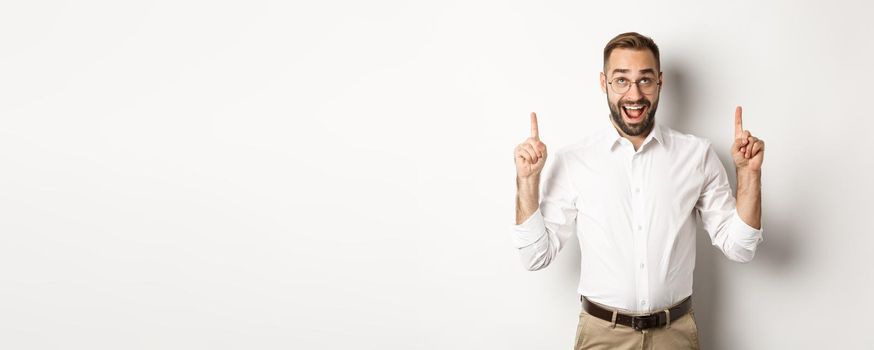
(635, 41)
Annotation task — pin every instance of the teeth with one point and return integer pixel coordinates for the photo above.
(631, 107)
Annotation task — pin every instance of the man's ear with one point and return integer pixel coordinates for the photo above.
(603, 83)
(661, 80)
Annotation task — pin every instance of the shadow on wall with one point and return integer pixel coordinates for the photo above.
(774, 254)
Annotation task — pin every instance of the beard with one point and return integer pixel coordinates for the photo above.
(644, 126)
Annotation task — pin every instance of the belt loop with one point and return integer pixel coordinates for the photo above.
(614, 319)
(668, 314)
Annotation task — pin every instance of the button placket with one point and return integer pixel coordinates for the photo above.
(640, 235)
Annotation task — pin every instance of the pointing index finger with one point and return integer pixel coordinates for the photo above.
(738, 122)
(534, 132)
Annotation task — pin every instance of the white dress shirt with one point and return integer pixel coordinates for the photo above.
(634, 214)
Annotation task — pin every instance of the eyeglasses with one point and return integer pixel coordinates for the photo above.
(621, 85)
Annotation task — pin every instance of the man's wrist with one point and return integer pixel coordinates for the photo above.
(748, 172)
(749, 182)
(528, 182)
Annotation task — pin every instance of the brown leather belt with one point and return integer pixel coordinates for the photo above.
(639, 322)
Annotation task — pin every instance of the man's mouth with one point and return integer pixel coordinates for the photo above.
(634, 113)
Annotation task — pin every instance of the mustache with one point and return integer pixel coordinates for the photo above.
(640, 102)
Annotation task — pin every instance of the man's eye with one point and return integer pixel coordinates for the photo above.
(621, 81)
(646, 81)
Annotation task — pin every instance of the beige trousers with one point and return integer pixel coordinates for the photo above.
(594, 333)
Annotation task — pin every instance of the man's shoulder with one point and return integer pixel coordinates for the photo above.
(587, 143)
(684, 140)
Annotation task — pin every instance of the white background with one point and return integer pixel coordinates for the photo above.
(275, 175)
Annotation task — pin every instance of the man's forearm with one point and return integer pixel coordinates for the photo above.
(527, 197)
(749, 197)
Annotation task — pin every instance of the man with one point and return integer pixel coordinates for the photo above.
(631, 192)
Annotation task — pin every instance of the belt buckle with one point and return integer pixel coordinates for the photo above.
(640, 323)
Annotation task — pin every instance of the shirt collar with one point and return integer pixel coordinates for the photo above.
(612, 136)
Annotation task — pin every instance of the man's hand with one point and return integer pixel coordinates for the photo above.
(530, 155)
(748, 151)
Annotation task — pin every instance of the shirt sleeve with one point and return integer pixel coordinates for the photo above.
(718, 209)
(542, 235)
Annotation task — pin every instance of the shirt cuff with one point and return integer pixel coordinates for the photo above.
(746, 234)
(529, 231)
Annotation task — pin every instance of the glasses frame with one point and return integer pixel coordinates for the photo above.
(635, 82)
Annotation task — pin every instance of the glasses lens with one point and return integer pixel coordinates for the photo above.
(647, 86)
(620, 86)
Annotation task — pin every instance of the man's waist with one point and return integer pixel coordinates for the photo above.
(658, 318)
(629, 304)
(635, 306)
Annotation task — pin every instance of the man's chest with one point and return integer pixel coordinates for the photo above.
(624, 187)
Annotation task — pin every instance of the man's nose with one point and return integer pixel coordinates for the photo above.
(634, 92)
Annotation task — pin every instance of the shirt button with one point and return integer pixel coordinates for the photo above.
(642, 265)
(637, 190)
(643, 303)
(639, 227)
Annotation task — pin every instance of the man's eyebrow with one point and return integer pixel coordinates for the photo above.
(642, 71)
(620, 70)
